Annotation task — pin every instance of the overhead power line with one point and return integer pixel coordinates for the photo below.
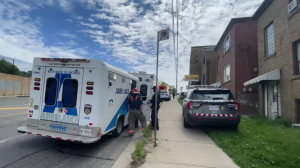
(186, 40)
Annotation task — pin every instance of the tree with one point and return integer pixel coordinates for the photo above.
(9, 68)
(164, 83)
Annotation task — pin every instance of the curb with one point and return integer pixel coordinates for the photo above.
(124, 159)
(16, 96)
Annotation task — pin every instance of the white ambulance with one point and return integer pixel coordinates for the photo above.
(77, 100)
(145, 85)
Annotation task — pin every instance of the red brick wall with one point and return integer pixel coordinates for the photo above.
(241, 36)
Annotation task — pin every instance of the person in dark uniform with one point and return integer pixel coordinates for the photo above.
(173, 93)
(155, 90)
(135, 107)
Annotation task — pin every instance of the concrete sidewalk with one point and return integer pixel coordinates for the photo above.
(183, 148)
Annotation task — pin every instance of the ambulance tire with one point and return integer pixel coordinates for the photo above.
(118, 130)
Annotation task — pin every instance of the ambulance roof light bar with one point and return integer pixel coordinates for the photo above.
(202, 86)
(65, 59)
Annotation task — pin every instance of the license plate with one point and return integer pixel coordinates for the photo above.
(213, 107)
(85, 131)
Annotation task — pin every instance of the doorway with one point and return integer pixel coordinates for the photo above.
(271, 99)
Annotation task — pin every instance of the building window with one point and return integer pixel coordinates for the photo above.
(140, 79)
(227, 73)
(269, 40)
(297, 57)
(227, 44)
(218, 64)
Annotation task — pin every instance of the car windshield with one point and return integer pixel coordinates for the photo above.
(211, 95)
(163, 91)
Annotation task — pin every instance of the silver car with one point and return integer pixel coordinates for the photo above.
(210, 106)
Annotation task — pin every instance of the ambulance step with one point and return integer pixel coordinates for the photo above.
(56, 135)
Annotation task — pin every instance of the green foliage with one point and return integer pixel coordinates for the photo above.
(260, 143)
(140, 152)
(164, 83)
(180, 101)
(9, 68)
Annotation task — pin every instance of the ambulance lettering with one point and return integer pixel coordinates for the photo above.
(122, 91)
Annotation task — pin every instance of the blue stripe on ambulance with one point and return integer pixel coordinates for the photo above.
(70, 97)
(122, 110)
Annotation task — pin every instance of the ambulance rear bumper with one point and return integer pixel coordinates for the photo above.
(57, 135)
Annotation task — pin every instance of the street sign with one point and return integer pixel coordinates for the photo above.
(163, 35)
(191, 77)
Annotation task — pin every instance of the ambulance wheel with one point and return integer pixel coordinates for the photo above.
(118, 130)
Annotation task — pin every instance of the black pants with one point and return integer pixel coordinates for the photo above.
(153, 118)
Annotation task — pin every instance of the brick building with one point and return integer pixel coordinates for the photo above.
(278, 29)
(236, 61)
(208, 66)
(202, 63)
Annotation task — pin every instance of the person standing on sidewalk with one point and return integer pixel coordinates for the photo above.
(155, 90)
(135, 107)
(173, 93)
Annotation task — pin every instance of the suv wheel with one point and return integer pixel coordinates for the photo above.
(186, 124)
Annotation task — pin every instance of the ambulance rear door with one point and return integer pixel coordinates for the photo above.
(61, 98)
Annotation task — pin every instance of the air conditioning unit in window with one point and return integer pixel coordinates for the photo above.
(292, 5)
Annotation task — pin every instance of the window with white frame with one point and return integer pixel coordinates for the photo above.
(269, 40)
(227, 44)
(227, 73)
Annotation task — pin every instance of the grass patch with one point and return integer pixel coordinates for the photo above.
(139, 154)
(260, 143)
(180, 101)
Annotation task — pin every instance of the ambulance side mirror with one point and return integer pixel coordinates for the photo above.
(110, 83)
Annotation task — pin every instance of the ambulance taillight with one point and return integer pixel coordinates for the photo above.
(89, 88)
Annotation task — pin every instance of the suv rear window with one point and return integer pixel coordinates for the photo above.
(69, 95)
(50, 95)
(211, 95)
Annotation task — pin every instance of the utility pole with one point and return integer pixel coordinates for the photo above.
(177, 9)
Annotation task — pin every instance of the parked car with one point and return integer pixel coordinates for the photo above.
(165, 95)
(210, 106)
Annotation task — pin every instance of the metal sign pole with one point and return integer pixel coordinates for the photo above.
(156, 91)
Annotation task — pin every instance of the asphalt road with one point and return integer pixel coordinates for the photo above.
(22, 150)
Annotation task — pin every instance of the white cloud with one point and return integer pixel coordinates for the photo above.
(95, 26)
(69, 35)
(91, 20)
(20, 37)
(79, 17)
(69, 20)
(132, 31)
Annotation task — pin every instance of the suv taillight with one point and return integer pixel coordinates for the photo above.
(237, 106)
(190, 105)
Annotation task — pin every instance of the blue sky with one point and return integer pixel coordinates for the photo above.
(119, 32)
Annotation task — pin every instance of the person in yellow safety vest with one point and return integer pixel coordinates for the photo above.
(135, 107)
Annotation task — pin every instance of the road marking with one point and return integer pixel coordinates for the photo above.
(12, 138)
(18, 105)
(13, 108)
(12, 114)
